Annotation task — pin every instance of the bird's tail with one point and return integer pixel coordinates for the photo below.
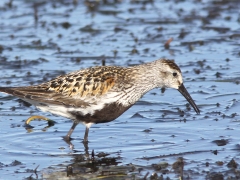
(8, 90)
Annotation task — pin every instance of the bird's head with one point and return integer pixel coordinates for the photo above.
(171, 77)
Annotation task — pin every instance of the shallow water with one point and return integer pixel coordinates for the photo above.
(41, 39)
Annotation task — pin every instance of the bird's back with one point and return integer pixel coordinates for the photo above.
(91, 94)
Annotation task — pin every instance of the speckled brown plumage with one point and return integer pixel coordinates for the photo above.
(94, 81)
(100, 94)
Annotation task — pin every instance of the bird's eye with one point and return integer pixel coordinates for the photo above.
(174, 74)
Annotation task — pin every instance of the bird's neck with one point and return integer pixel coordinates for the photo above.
(148, 76)
(140, 80)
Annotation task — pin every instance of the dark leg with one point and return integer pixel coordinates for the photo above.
(85, 140)
(68, 136)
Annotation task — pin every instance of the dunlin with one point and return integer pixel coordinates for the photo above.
(101, 94)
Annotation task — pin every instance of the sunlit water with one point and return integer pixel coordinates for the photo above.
(64, 37)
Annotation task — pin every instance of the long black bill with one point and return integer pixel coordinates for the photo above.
(185, 93)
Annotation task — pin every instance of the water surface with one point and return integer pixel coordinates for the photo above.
(159, 136)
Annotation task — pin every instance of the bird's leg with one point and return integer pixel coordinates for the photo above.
(85, 140)
(68, 136)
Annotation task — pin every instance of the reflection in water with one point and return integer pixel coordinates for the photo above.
(102, 166)
(92, 165)
(90, 162)
(62, 36)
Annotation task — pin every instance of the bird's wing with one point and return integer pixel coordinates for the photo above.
(36, 96)
(74, 89)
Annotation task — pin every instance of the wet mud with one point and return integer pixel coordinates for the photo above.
(161, 136)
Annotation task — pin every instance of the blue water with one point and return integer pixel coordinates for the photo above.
(152, 131)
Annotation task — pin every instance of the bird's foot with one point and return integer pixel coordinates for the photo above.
(85, 141)
(68, 139)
